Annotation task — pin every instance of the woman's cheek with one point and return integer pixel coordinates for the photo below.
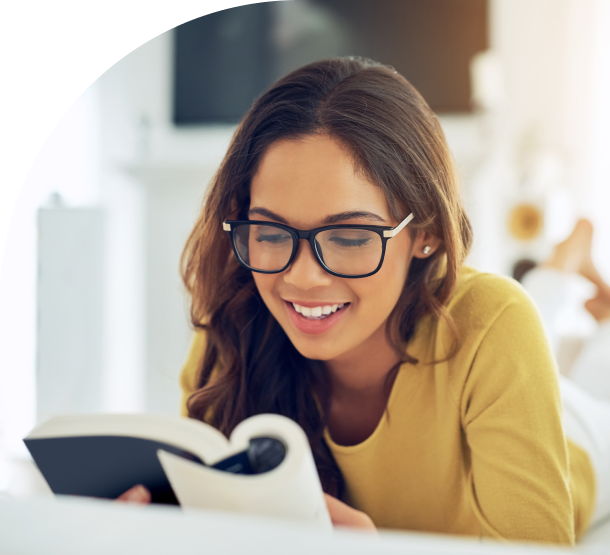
(376, 302)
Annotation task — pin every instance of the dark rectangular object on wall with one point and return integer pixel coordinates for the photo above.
(223, 61)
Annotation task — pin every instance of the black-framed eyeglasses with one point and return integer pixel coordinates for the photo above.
(349, 251)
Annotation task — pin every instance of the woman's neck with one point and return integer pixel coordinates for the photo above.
(364, 370)
(362, 380)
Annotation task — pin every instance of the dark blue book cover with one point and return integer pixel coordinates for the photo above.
(104, 466)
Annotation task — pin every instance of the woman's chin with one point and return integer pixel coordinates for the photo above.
(320, 351)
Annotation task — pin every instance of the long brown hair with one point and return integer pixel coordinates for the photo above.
(250, 366)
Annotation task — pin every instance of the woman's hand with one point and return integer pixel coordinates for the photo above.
(343, 515)
(137, 494)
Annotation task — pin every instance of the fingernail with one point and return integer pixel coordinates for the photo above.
(140, 493)
(135, 494)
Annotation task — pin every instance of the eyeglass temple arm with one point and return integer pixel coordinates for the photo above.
(388, 233)
(399, 227)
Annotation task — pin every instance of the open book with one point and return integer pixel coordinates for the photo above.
(105, 455)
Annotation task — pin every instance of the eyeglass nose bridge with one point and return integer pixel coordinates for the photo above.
(310, 237)
(307, 235)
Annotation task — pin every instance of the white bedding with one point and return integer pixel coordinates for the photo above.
(36, 522)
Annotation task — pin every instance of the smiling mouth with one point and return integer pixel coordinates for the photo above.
(319, 312)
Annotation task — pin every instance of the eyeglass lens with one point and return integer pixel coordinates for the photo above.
(349, 252)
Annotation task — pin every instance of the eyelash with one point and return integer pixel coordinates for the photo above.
(350, 242)
(271, 238)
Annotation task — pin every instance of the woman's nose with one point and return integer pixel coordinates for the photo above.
(305, 272)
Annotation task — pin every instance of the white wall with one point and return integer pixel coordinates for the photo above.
(153, 179)
(68, 164)
(101, 154)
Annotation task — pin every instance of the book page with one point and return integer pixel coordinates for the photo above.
(188, 434)
(292, 490)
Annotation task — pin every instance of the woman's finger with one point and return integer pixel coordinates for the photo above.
(344, 515)
(137, 494)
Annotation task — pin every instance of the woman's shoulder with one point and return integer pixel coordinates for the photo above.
(481, 303)
(488, 286)
(480, 297)
(502, 342)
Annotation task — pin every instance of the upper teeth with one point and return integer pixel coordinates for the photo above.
(317, 311)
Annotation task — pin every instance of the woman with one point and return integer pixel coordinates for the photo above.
(427, 390)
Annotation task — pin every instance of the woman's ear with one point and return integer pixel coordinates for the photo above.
(425, 244)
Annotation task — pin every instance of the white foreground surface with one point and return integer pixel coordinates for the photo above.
(83, 526)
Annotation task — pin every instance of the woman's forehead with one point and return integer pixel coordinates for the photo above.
(314, 175)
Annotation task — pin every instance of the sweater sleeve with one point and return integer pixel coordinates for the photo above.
(512, 418)
(190, 370)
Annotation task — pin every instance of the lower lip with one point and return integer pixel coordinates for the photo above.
(314, 327)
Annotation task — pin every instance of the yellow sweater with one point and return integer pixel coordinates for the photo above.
(473, 445)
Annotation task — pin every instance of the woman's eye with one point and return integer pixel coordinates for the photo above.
(273, 239)
(349, 243)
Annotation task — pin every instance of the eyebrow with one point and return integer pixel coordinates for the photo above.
(329, 220)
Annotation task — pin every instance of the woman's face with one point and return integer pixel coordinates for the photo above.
(302, 183)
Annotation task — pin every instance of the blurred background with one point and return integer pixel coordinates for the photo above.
(90, 285)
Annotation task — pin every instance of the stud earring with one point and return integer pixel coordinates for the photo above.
(426, 249)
